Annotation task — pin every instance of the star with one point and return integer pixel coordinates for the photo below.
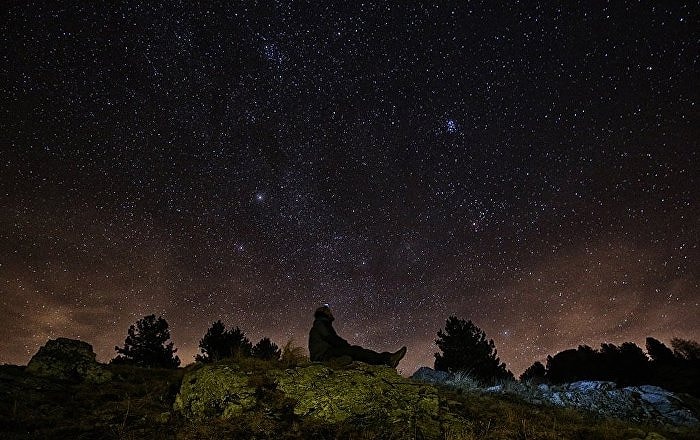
(451, 126)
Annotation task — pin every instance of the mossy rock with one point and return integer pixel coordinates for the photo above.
(215, 390)
(359, 393)
(68, 359)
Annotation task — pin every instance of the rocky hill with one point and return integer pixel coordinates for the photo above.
(65, 393)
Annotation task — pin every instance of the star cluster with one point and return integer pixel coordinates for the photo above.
(532, 168)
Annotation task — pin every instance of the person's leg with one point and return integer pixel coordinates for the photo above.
(361, 354)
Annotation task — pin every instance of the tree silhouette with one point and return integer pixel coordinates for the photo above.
(633, 365)
(659, 352)
(572, 365)
(147, 345)
(465, 348)
(219, 343)
(266, 349)
(686, 349)
(627, 364)
(534, 373)
(213, 344)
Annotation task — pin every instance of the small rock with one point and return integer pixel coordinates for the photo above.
(494, 389)
(427, 374)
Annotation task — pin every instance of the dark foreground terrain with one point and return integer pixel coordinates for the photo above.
(139, 403)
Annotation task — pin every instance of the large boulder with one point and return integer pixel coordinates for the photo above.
(68, 359)
(316, 392)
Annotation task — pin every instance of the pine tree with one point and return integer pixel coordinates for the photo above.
(219, 343)
(659, 352)
(239, 343)
(266, 349)
(213, 344)
(534, 373)
(465, 348)
(686, 349)
(147, 345)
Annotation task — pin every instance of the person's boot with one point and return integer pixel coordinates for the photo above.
(395, 358)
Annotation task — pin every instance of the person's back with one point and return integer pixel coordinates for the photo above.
(322, 336)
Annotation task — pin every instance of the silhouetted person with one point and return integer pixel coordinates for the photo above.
(325, 344)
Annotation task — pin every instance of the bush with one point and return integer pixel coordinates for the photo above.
(292, 355)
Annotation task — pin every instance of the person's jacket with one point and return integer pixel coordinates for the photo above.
(322, 337)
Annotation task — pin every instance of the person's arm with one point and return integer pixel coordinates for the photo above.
(337, 340)
(329, 335)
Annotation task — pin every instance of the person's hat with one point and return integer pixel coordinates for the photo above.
(324, 310)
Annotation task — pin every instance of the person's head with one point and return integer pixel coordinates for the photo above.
(324, 312)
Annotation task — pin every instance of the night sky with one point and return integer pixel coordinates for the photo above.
(533, 168)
